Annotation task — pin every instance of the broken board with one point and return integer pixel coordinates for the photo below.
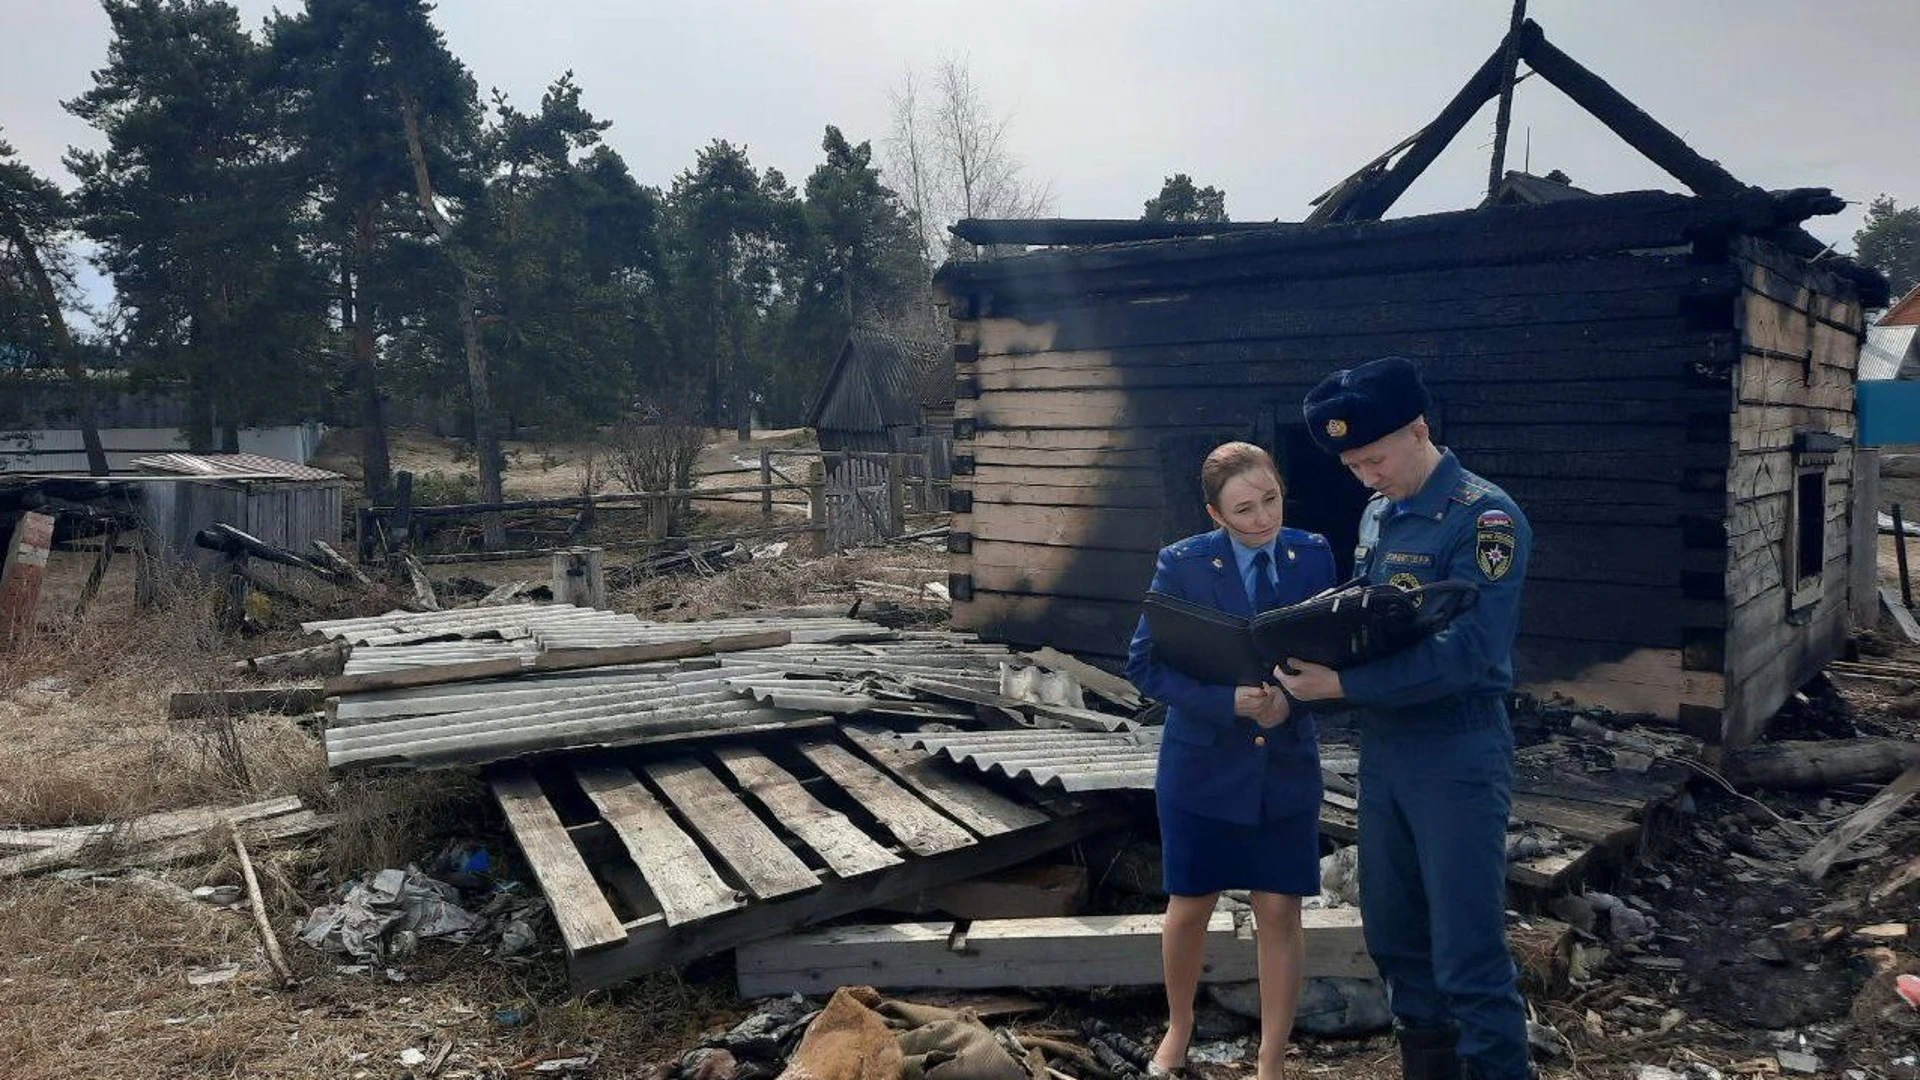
(1075, 951)
(652, 856)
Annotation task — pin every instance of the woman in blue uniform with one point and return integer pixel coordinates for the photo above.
(1238, 788)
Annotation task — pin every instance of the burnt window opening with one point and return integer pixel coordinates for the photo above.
(1805, 539)
(1810, 503)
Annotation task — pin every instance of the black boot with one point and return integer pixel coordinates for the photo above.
(1426, 1053)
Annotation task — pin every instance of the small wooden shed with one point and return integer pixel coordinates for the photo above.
(278, 502)
(1664, 382)
(886, 394)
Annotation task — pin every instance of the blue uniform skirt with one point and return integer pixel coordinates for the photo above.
(1201, 855)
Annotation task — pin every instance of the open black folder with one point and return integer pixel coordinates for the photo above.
(1345, 625)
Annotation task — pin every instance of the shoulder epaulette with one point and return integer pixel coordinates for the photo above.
(1469, 492)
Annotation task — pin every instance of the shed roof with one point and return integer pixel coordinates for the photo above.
(234, 467)
(1904, 312)
(879, 381)
(1885, 350)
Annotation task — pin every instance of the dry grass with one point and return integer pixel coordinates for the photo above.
(84, 734)
(93, 985)
(791, 581)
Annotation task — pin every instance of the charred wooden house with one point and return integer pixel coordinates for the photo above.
(1664, 382)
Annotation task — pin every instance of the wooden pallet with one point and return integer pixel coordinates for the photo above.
(655, 856)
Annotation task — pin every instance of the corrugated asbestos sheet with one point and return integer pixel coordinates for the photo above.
(1073, 760)
(830, 667)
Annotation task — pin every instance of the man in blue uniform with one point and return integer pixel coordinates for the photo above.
(1436, 749)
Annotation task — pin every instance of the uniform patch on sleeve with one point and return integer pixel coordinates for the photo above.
(1493, 543)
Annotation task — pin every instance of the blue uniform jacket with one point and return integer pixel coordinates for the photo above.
(1457, 526)
(1214, 763)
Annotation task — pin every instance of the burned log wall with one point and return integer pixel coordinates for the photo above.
(1791, 523)
(1584, 357)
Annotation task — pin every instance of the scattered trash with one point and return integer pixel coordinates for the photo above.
(218, 895)
(771, 551)
(386, 916)
(412, 1057)
(553, 1065)
(1794, 1061)
(209, 976)
(1220, 1052)
(512, 1017)
(1908, 987)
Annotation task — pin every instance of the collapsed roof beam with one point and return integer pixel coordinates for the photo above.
(1374, 198)
(1701, 175)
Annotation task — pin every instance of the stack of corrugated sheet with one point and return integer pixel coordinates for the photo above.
(500, 698)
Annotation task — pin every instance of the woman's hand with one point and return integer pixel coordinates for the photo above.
(1264, 705)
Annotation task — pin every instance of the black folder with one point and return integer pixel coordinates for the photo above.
(1345, 625)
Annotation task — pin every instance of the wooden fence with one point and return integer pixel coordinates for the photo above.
(852, 498)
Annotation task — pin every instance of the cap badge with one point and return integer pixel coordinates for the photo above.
(1336, 428)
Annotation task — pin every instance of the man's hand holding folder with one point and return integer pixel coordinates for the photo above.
(1345, 625)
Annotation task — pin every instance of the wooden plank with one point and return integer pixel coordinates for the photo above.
(1656, 353)
(586, 920)
(52, 849)
(569, 659)
(1075, 951)
(21, 573)
(650, 944)
(740, 838)
(1814, 864)
(924, 830)
(683, 883)
(981, 809)
(1902, 616)
(286, 700)
(430, 675)
(846, 850)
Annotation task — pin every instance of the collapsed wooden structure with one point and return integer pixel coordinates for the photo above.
(1663, 382)
(680, 789)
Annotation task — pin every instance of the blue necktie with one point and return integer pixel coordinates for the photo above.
(1266, 596)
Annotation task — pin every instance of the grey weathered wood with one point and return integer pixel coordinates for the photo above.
(328, 659)
(1076, 951)
(586, 920)
(52, 849)
(846, 850)
(924, 830)
(1820, 764)
(579, 577)
(651, 944)
(1902, 617)
(1814, 864)
(422, 584)
(684, 884)
(985, 811)
(742, 840)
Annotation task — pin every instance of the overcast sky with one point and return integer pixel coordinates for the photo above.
(1271, 100)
